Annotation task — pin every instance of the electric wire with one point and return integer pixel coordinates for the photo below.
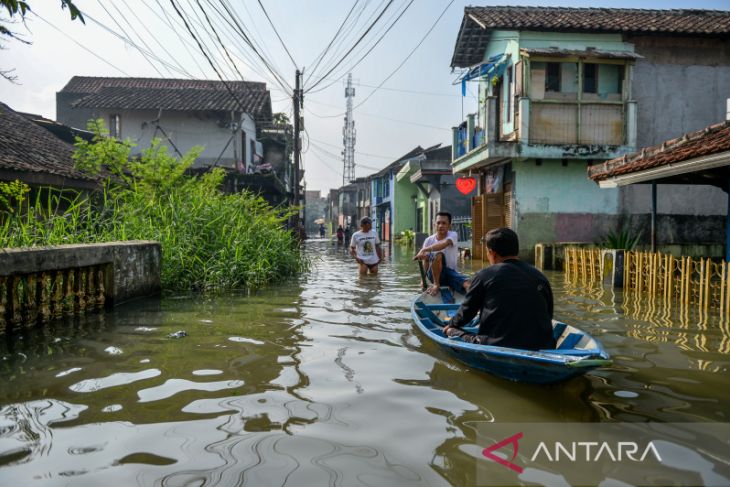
(321, 55)
(185, 43)
(354, 46)
(277, 34)
(223, 46)
(100, 58)
(212, 65)
(362, 58)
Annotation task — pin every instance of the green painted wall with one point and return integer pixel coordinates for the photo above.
(554, 188)
(404, 216)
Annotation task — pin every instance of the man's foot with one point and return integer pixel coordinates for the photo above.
(433, 290)
(467, 284)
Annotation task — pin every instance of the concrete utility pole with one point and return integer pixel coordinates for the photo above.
(298, 99)
(348, 136)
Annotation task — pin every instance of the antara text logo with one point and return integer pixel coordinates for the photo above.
(574, 451)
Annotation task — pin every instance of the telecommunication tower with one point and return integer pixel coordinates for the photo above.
(348, 136)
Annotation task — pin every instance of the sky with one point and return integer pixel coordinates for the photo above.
(417, 102)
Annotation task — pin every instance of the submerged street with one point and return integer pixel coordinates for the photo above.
(324, 381)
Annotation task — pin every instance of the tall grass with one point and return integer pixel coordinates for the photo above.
(210, 240)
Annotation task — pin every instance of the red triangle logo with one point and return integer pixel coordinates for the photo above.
(512, 440)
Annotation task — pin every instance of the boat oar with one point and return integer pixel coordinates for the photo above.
(423, 275)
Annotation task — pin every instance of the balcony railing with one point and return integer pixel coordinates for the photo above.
(542, 124)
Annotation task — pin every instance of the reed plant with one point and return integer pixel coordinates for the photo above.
(210, 240)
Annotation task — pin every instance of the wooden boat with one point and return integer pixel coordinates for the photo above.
(576, 353)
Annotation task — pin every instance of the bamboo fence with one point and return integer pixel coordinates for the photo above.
(684, 281)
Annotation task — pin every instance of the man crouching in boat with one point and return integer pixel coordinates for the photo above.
(440, 252)
(514, 299)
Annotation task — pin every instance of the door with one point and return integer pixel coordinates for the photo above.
(508, 204)
(477, 228)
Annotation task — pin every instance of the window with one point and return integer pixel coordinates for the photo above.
(115, 126)
(510, 93)
(253, 151)
(552, 77)
(590, 78)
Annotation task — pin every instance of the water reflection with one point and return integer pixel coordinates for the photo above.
(321, 381)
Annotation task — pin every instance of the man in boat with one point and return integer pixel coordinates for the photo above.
(365, 247)
(440, 253)
(513, 298)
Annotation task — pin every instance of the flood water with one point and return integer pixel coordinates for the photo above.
(323, 381)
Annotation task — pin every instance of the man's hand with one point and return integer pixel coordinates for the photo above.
(422, 254)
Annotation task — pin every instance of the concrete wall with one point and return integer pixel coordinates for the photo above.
(185, 129)
(135, 265)
(558, 203)
(680, 86)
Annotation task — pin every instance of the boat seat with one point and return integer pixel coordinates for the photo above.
(558, 329)
(426, 313)
(570, 341)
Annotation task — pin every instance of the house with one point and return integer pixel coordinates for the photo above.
(383, 200)
(234, 127)
(560, 89)
(424, 186)
(698, 158)
(364, 188)
(34, 155)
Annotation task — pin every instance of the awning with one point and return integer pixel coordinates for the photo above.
(494, 65)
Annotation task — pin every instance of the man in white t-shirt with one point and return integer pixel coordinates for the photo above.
(365, 247)
(440, 252)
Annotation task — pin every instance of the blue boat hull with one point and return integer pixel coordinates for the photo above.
(577, 352)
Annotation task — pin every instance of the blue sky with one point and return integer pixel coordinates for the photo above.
(417, 106)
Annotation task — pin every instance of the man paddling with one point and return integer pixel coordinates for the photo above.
(440, 253)
(514, 299)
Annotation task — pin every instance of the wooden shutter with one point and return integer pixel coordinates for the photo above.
(493, 211)
(477, 227)
(508, 205)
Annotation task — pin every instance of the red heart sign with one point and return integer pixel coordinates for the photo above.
(466, 185)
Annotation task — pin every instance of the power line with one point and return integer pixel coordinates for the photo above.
(210, 61)
(407, 122)
(428, 32)
(382, 36)
(391, 158)
(100, 58)
(321, 55)
(281, 81)
(205, 14)
(355, 45)
(184, 42)
(277, 34)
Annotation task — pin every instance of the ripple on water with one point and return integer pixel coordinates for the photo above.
(113, 350)
(69, 371)
(118, 379)
(246, 340)
(175, 386)
(207, 372)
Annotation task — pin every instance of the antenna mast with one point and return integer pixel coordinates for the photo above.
(348, 136)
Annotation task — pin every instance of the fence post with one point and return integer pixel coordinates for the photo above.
(612, 267)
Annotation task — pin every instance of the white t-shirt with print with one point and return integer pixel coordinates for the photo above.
(364, 244)
(451, 253)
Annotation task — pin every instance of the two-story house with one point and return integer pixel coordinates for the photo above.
(383, 195)
(563, 88)
(427, 186)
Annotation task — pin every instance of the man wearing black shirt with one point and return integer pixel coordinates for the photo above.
(514, 299)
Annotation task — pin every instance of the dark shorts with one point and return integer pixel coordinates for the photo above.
(448, 277)
(370, 266)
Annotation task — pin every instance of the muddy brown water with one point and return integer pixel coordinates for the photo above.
(322, 381)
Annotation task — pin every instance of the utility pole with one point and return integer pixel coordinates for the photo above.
(297, 99)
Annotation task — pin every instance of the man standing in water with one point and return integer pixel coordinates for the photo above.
(365, 247)
(440, 253)
(513, 298)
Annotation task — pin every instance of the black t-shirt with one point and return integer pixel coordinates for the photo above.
(516, 305)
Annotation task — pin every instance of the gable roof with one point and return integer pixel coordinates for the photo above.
(714, 139)
(170, 94)
(28, 148)
(478, 22)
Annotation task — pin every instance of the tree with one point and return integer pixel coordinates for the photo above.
(20, 8)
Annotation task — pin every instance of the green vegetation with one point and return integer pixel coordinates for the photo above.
(406, 237)
(623, 239)
(210, 241)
